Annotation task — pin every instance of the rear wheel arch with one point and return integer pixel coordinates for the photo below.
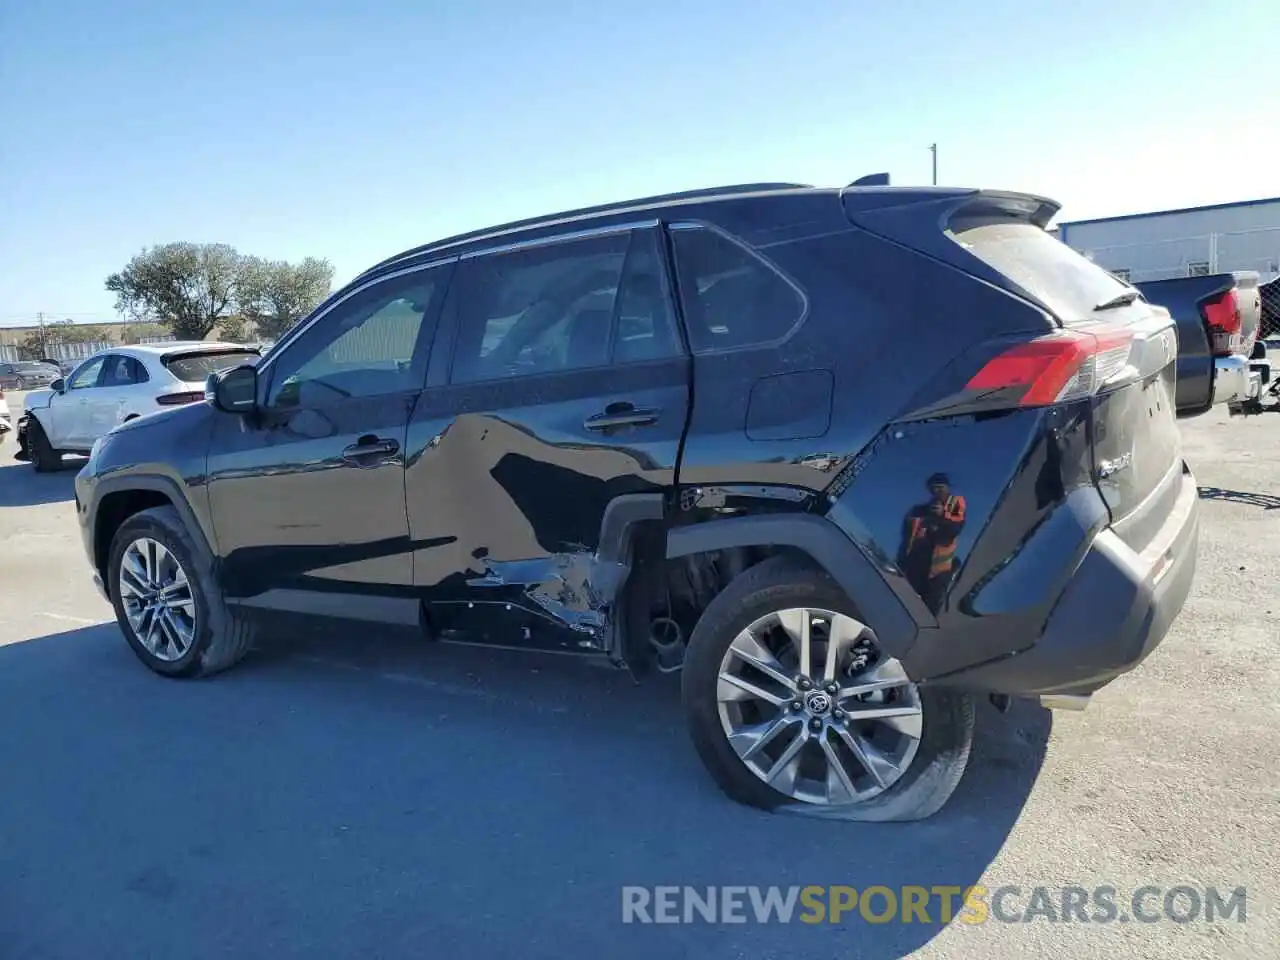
(821, 543)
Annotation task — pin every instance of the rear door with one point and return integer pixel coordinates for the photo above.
(116, 386)
(561, 385)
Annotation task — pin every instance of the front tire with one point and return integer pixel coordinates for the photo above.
(793, 707)
(44, 457)
(167, 600)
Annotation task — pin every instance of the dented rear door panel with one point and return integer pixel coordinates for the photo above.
(507, 493)
(508, 488)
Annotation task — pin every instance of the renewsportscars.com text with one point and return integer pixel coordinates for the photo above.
(934, 904)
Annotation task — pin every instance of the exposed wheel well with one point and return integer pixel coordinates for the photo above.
(114, 510)
(664, 597)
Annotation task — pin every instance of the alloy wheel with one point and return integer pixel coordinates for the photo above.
(812, 708)
(157, 599)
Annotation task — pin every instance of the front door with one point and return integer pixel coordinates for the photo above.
(307, 497)
(69, 411)
(568, 388)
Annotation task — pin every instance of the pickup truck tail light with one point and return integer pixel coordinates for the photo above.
(1055, 368)
(174, 399)
(1222, 317)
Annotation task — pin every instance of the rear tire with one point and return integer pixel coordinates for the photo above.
(924, 774)
(200, 635)
(44, 457)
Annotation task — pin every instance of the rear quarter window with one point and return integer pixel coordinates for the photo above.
(732, 298)
(1064, 281)
(195, 367)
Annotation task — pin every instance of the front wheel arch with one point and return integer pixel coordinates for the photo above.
(117, 499)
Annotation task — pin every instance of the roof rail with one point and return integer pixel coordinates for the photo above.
(583, 212)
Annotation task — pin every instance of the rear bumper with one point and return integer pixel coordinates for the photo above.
(1233, 381)
(1117, 607)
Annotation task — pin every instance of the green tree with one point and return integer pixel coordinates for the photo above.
(273, 295)
(137, 331)
(233, 330)
(188, 287)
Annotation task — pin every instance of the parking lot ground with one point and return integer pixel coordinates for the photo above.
(348, 796)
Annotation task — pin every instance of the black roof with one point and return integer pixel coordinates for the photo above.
(460, 243)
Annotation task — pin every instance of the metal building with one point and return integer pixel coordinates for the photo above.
(1185, 242)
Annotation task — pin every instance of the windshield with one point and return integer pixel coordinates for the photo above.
(1059, 277)
(196, 367)
(31, 367)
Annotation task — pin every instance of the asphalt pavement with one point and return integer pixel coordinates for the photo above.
(347, 795)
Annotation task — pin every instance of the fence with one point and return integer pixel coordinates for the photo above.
(1168, 257)
(73, 351)
(1270, 310)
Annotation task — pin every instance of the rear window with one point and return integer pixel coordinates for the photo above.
(1064, 281)
(195, 367)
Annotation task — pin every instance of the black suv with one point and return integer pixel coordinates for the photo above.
(847, 458)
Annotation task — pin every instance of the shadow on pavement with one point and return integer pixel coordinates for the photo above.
(348, 796)
(21, 486)
(1265, 500)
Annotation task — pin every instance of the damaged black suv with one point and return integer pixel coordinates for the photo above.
(849, 459)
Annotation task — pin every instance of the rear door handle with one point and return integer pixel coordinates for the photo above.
(622, 415)
(368, 450)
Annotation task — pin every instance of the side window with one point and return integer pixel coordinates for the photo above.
(731, 297)
(371, 344)
(541, 310)
(646, 327)
(86, 375)
(122, 372)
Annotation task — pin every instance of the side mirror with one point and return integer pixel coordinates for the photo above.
(234, 390)
(58, 386)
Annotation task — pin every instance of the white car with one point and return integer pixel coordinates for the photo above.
(6, 419)
(117, 385)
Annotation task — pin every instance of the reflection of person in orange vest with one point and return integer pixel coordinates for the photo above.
(928, 554)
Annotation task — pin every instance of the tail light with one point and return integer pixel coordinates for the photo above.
(174, 399)
(1223, 318)
(1055, 368)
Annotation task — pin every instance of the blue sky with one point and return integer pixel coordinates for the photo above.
(352, 130)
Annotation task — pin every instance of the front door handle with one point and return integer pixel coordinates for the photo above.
(622, 415)
(369, 450)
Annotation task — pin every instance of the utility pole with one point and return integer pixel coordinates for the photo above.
(933, 149)
(44, 346)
